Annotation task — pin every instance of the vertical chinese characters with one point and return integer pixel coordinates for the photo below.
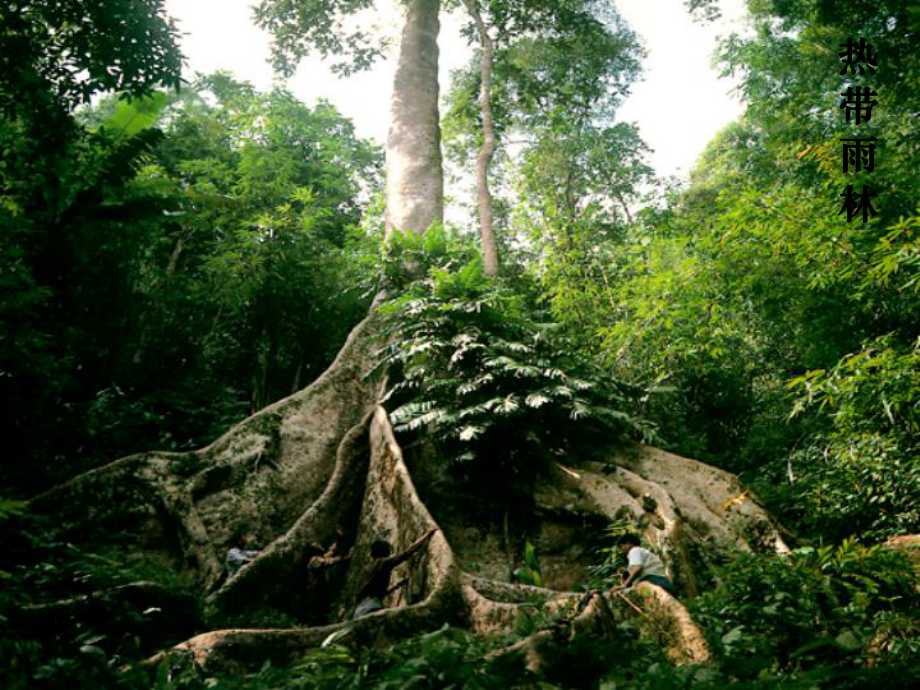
(857, 104)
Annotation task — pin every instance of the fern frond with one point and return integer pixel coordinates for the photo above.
(514, 367)
(469, 433)
(561, 391)
(508, 405)
(410, 410)
(579, 410)
(434, 417)
(512, 346)
(476, 384)
(536, 400)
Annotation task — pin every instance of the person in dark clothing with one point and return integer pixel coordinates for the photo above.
(371, 596)
(322, 577)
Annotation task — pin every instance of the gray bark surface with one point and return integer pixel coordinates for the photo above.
(490, 255)
(415, 178)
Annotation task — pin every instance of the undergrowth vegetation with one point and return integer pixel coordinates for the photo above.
(453, 658)
(477, 368)
(815, 611)
(74, 616)
(862, 474)
(832, 617)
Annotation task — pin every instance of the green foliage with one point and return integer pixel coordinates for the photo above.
(170, 281)
(407, 255)
(703, 10)
(446, 658)
(84, 647)
(788, 62)
(73, 241)
(478, 372)
(554, 63)
(815, 607)
(804, 621)
(60, 54)
(10, 508)
(300, 28)
(862, 475)
(130, 117)
(747, 278)
(453, 658)
(529, 573)
(845, 616)
(65, 207)
(559, 72)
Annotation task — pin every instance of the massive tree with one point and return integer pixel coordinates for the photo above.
(323, 466)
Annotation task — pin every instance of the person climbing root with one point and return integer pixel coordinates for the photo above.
(644, 566)
(371, 596)
(241, 553)
(324, 558)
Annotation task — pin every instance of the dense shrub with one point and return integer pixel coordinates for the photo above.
(815, 608)
(477, 369)
(103, 625)
(862, 475)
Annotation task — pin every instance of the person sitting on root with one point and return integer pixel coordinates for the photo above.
(241, 553)
(643, 565)
(371, 596)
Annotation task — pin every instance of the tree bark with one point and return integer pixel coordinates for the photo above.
(490, 254)
(415, 178)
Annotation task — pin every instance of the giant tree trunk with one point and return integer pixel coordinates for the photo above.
(323, 466)
(415, 177)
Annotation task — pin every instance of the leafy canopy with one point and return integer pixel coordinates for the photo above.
(299, 27)
(60, 53)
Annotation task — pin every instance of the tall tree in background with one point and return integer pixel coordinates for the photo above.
(490, 255)
(415, 179)
(600, 53)
(569, 171)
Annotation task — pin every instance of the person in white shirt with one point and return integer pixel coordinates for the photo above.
(643, 565)
(241, 554)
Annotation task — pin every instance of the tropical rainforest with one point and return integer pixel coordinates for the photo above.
(252, 372)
